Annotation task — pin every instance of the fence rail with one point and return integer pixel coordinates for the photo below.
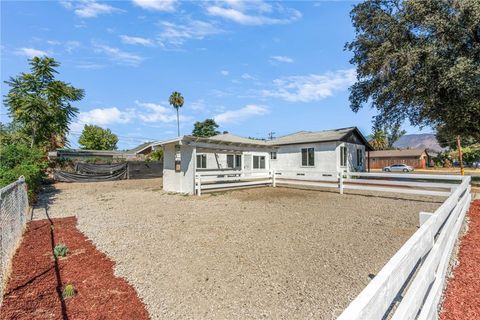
(215, 180)
(13, 216)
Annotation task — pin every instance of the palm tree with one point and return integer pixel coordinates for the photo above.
(176, 100)
(379, 140)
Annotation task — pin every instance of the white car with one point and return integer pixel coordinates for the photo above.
(398, 168)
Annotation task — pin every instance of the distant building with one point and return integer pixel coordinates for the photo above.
(138, 153)
(416, 158)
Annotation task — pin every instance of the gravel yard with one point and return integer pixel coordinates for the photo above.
(253, 253)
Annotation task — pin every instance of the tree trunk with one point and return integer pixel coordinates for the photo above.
(178, 123)
(460, 155)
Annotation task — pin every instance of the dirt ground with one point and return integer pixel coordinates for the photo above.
(265, 252)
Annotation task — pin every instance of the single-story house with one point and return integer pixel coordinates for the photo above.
(416, 158)
(323, 151)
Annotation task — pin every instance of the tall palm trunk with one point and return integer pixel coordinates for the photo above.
(178, 123)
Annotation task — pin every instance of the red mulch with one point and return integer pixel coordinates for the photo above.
(37, 281)
(462, 296)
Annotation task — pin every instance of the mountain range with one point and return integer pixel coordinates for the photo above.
(419, 141)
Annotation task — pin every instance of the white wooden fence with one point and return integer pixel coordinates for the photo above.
(229, 179)
(410, 285)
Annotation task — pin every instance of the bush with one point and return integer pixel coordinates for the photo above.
(60, 250)
(68, 291)
(22, 160)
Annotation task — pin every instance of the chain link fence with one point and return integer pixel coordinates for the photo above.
(13, 217)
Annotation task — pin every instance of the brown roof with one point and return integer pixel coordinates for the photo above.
(397, 153)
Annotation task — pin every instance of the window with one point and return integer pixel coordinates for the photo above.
(230, 161)
(258, 162)
(238, 161)
(359, 157)
(273, 155)
(308, 157)
(201, 161)
(343, 156)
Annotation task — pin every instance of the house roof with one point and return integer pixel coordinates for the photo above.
(319, 136)
(397, 153)
(294, 138)
(140, 147)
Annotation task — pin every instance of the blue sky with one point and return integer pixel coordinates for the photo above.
(254, 66)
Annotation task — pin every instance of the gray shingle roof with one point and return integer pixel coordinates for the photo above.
(313, 136)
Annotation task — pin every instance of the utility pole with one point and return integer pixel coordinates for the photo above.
(270, 135)
(460, 155)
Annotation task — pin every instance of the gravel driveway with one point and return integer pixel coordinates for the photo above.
(255, 253)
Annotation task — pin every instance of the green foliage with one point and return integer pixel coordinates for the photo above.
(379, 140)
(60, 250)
(419, 60)
(41, 104)
(68, 291)
(22, 160)
(97, 160)
(207, 128)
(96, 138)
(156, 155)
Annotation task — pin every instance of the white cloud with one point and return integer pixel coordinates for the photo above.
(235, 116)
(253, 12)
(31, 52)
(157, 5)
(89, 8)
(247, 76)
(198, 105)
(119, 56)
(177, 34)
(284, 59)
(224, 72)
(105, 116)
(312, 87)
(153, 112)
(136, 40)
(70, 46)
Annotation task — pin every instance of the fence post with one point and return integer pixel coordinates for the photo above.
(274, 181)
(198, 184)
(340, 184)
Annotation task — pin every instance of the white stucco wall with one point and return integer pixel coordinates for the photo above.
(289, 157)
(327, 157)
(183, 181)
(218, 161)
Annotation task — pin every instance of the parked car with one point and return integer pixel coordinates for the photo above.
(398, 168)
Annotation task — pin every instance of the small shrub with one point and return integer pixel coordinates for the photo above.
(68, 291)
(60, 250)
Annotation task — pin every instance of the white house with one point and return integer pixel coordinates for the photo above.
(309, 152)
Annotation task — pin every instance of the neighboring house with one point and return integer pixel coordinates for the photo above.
(137, 153)
(416, 158)
(323, 151)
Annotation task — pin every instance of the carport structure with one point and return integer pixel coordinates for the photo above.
(215, 162)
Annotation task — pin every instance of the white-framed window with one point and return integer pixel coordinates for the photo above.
(234, 161)
(238, 161)
(201, 161)
(273, 155)
(359, 157)
(258, 162)
(308, 157)
(230, 161)
(343, 156)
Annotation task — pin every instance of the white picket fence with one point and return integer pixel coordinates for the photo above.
(410, 285)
